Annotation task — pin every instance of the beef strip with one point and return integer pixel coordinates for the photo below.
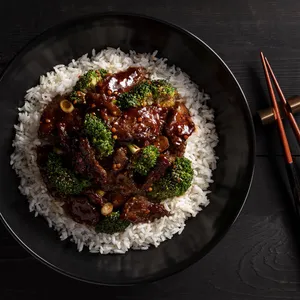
(53, 115)
(86, 164)
(120, 159)
(163, 162)
(82, 211)
(179, 126)
(95, 198)
(140, 124)
(138, 210)
(125, 184)
(121, 183)
(121, 82)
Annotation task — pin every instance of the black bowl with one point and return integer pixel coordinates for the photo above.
(236, 148)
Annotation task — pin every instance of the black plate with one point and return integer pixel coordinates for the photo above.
(235, 150)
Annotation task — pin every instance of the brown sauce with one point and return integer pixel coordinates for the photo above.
(122, 82)
(140, 124)
(166, 128)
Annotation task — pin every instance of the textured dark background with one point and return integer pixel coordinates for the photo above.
(259, 257)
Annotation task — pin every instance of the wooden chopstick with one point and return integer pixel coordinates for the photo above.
(293, 174)
(285, 144)
(287, 111)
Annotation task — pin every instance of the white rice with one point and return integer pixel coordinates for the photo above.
(199, 150)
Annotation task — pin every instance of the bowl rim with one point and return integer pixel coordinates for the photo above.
(54, 28)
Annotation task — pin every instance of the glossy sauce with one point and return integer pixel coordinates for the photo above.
(140, 124)
(122, 82)
(140, 209)
(165, 127)
(52, 115)
(180, 125)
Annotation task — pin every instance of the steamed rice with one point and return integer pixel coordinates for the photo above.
(200, 150)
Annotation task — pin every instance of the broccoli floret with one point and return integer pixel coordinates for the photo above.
(89, 80)
(163, 93)
(112, 224)
(145, 160)
(86, 82)
(147, 93)
(99, 135)
(176, 181)
(62, 179)
(162, 87)
(140, 95)
(143, 93)
(127, 100)
(103, 73)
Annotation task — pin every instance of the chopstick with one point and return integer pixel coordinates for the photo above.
(293, 175)
(285, 144)
(286, 110)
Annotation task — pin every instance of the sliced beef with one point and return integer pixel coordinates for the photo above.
(86, 164)
(121, 183)
(179, 125)
(95, 198)
(163, 162)
(82, 211)
(177, 150)
(125, 184)
(140, 124)
(121, 82)
(53, 114)
(120, 159)
(139, 209)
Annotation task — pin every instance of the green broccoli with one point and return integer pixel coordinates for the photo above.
(127, 100)
(86, 82)
(163, 93)
(61, 178)
(112, 224)
(147, 93)
(140, 95)
(176, 181)
(143, 92)
(99, 135)
(145, 160)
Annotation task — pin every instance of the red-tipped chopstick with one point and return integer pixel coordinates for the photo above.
(286, 109)
(283, 137)
(293, 175)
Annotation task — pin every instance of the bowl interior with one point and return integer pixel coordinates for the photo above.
(232, 178)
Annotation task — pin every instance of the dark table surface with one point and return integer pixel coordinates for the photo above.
(259, 257)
